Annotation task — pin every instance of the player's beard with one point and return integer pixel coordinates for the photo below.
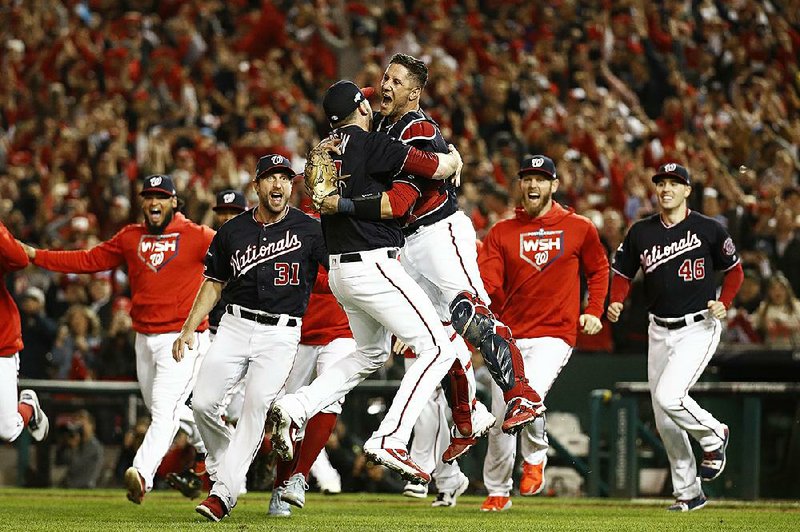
(159, 229)
(545, 198)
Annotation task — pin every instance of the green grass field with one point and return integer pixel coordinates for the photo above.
(32, 510)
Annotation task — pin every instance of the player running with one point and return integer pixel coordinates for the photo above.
(15, 414)
(264, 262)
(164, 256)
(678, 251)
(531, 266)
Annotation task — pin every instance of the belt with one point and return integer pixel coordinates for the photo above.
(356, 257)
(261, 318)
(677, 324)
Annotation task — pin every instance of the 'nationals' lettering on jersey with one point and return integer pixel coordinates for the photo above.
(657, 255)
(242, 261)
(540, 248)
(157, 250)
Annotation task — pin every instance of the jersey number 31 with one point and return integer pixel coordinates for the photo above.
(691, 270)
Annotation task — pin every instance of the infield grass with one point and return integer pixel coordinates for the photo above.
(30, 510)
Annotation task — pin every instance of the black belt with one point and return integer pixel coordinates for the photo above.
(356, 257)
(261, 318)
(677, 324)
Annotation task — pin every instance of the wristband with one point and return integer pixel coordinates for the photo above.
(368, 208)
(345, 206)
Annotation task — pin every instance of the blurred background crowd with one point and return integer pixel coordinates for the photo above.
(96, 94)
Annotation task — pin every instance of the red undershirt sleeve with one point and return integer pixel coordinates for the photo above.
(421, 163)
(401, 197)
(620, 286)
(730, 285)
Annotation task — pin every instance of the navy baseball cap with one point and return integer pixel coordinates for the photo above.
(673, 170)
(538, 164)
(230, 200)
(272, 162)
(342, 98)
(159, 183)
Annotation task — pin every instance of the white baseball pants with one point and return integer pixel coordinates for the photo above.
(443, 259)
(11, 424)
(313, 360)
(676, 359)
(544, 359)
(165, 386)
(261, 354)
(431, 439)
(380, 298)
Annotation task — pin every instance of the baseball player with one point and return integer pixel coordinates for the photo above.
(164, 256)
(15, 414)
(678, 251)
(372, 287)
(264, 263)
(230, 203)
(531, 266)
(440, 255)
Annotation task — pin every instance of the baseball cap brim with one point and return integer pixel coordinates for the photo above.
(273, 168)
(160, 190)
(228, 207)
(669, 175)
(540, 171)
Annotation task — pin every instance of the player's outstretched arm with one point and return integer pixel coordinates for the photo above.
(208, 295)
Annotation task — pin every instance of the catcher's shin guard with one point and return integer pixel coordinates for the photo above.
(476, 324)
(457, 392)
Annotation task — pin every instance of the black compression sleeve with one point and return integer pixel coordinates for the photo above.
(368, 208)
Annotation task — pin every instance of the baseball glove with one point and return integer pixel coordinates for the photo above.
(320, 174)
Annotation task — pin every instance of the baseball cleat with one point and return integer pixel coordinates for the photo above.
(278, 508)
(188, 483)
(283, 433)
(294, 491)
(212, 508)
(482, 421)
(399, 461)
(38, 425)
(415, 491)
(521, 412)
(134, 483)
(689, 505)
(714, 461)
(446, 499)
(532, 481)
(496, 503)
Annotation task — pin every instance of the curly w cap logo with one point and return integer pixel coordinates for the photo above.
(277, 159)
(155, 181)
(228, 198)
(541, 248)
(670, 167)
(537, 162)
(157, 250)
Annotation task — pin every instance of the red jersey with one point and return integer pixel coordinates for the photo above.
(165, 271)
(531, 266)
(12, 258)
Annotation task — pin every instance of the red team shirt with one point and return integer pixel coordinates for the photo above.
(165, 271)
(531, 266)
(12, 258)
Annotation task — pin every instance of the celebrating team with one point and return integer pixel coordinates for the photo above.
(398, 202)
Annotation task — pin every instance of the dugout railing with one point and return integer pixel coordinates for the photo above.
(617, 434)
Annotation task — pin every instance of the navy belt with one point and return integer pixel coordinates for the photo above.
(356, 257)
(677, 324)
(261, 318)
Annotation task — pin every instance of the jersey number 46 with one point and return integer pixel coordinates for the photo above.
(690, 270)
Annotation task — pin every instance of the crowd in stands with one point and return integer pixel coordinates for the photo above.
(96, 94)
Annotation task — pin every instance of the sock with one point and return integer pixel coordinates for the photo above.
(284, 470)
(26, 411)
(318, 431)
(200, 464)
(266, 446)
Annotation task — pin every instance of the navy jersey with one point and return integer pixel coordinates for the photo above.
(678, 262)
(369, 163)
(438, 197)
(268, 267)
